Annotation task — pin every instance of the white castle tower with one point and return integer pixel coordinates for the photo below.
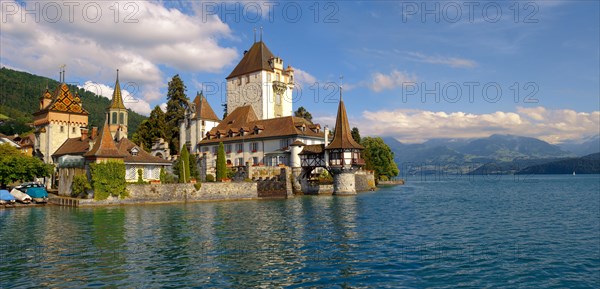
(260, 80)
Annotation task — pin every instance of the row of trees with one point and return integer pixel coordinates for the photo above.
(165, 125)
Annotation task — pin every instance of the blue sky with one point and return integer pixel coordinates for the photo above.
(406, 74)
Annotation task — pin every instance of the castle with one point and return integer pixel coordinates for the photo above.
(260, 129)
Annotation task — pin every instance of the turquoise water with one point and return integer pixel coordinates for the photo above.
(534, 232)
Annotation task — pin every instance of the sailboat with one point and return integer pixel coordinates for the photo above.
(573, 172)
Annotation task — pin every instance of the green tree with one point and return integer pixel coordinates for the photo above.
(355, 134)
(151, 129)
(303, 113)
(221, 163)
(177, 102)
(80, 185)
(379, 158)
(14, 166)
(224, 105)
(194, 173)
(184, 165)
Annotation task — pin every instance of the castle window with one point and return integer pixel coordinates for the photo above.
(277, 77)
(254, 147)
(291, 79)
(284, 143)
(240, 161)
(247, 78)
(239, 147)
(239, 81)
(214, 149)
(73, 129)
(62, 128)
(228, 148)
(114, 118)
(121, 118)
(255, 160)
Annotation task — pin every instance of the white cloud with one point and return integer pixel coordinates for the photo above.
(392, 80)
(132, 102)
(303, 78)
(157, 36)
(449, 61)
(553, 126)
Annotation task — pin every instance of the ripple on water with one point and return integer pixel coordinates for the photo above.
(464, 232)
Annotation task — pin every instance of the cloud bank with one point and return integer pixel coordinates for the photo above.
(411, 125)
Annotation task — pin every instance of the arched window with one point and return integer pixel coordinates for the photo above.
(114, 118)
(121, 118)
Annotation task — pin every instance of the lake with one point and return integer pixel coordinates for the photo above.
(484, 231)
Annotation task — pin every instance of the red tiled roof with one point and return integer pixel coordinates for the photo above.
(105, 146)
(203, 108)
(312, 149)
(73, 146)
(142, 157)
(256, 59)
(244, 116)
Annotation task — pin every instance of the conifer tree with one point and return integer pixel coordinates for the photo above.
(221, 163)
(184, 165)
(177, 102)
(355, 134)
(151, 129)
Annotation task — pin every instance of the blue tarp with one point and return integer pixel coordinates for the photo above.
(37, 192)
(6, 196)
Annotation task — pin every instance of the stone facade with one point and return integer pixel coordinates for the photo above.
(365, 181)
(187, 192)
(344, 183)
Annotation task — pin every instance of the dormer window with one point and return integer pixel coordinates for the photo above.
(134, 151)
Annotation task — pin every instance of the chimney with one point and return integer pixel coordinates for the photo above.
(326, 135)
(84, 133)
(94, 132)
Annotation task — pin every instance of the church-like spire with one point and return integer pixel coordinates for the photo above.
(342, 137)
(117, 99)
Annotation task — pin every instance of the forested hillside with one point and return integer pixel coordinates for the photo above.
(19, 98)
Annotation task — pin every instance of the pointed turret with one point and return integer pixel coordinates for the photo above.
(104, 148)
(343, 154)
(117, 98)
(116, 113)
(342, 136)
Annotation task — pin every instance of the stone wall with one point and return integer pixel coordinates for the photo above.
(314, 188)
(365, 181)
(177, 193)
(277, 186)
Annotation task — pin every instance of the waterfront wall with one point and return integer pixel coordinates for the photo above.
(365, 181)
(177, 193)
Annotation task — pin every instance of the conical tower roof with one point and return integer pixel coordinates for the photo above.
(342, 137)
(203, 108)
(117, 99)
(105, 146)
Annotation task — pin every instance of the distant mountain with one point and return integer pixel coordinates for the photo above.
(20, 93)
(589, 164)
(505, 153)
(588, 146)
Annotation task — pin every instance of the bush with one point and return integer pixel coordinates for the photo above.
(140, 179)
(80, 185)
(198, 186)
(210, 178)
(108, 179)
(167, 178)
